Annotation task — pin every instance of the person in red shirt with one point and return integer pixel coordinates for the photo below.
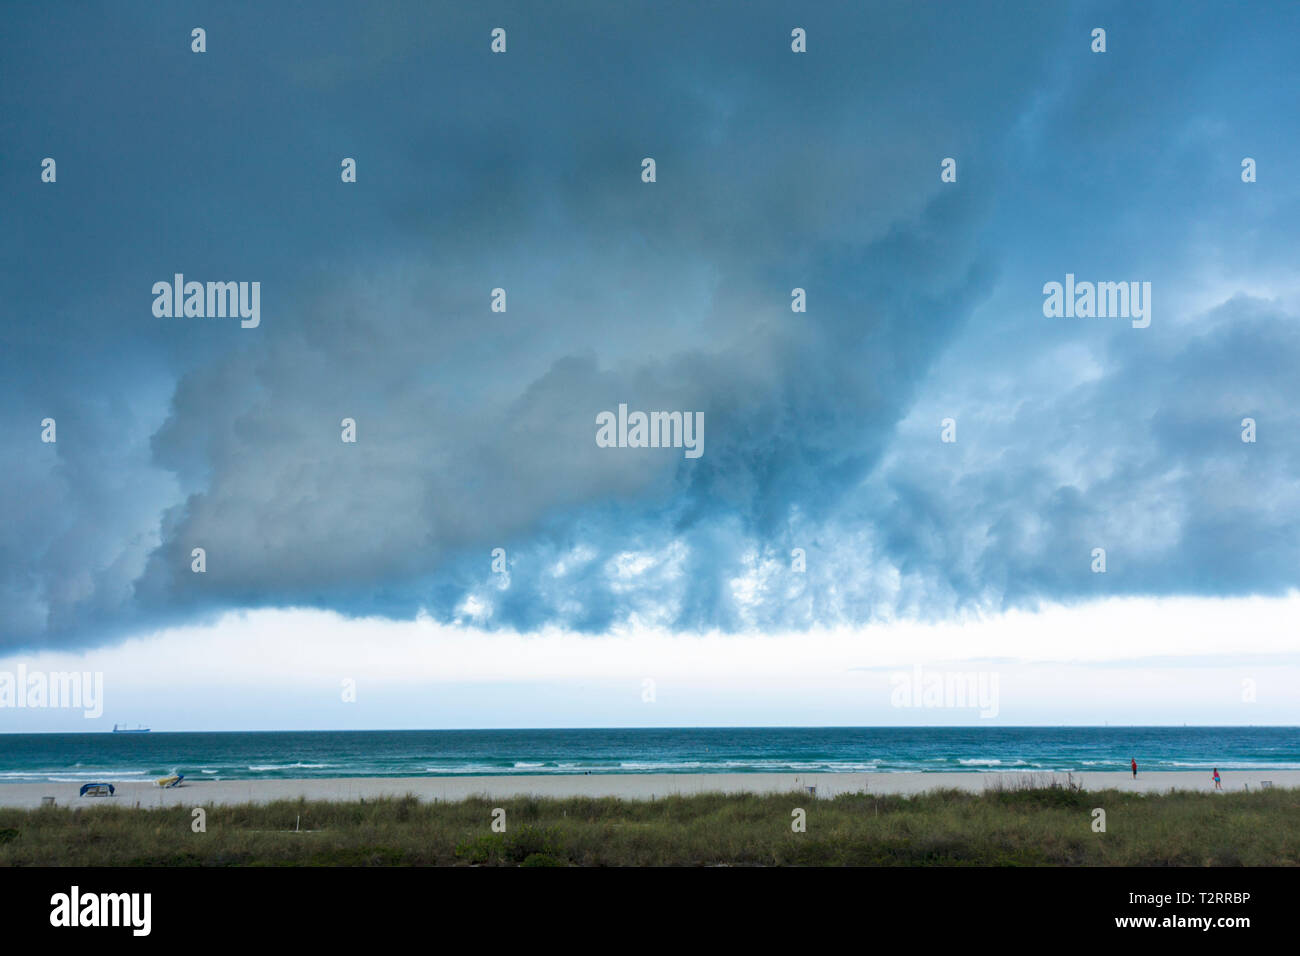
(1135, 768)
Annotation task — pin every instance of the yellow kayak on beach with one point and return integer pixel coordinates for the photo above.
(172, 781)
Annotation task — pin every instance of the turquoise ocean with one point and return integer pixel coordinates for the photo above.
(414, 753)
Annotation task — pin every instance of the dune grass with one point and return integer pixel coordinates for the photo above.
(1037, 825)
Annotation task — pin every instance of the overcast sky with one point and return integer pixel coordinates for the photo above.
(328, 560)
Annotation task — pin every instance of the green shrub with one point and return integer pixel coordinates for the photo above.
(1033, 826)
(488, 848)
(531, 840)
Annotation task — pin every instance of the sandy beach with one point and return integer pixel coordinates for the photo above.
(628, 786)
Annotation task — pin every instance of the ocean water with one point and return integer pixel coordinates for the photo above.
(413, 753)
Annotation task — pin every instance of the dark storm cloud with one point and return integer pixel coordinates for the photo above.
(476, 429)
(1145, 460)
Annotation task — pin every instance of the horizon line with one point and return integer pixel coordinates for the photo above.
(416, 730)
